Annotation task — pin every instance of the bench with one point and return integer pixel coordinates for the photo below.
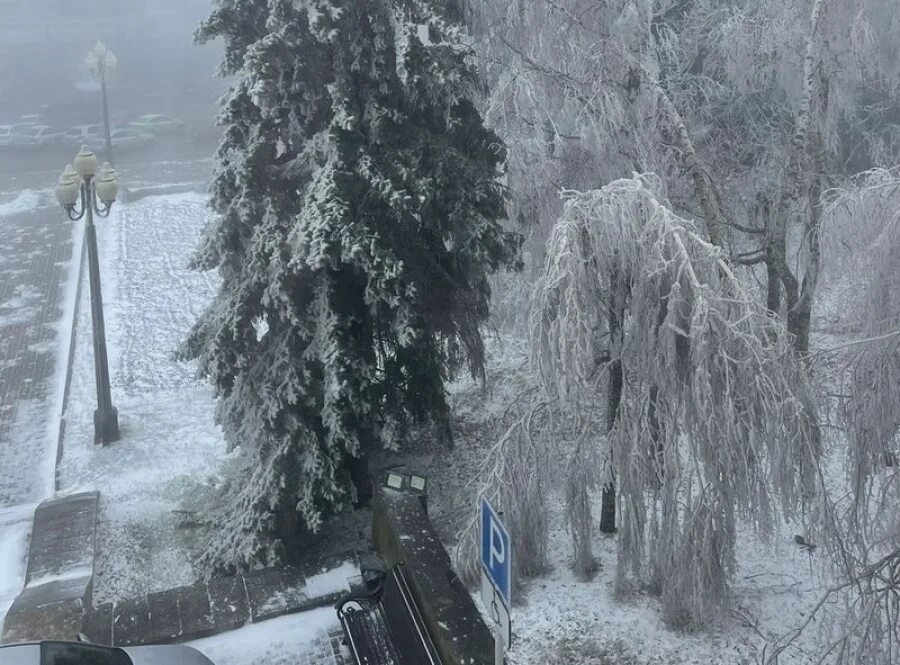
(383, 624)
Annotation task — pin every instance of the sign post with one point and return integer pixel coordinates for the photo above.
(496, 576)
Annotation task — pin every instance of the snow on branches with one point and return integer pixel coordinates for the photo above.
(715, 420)
(514, 478)
(863, 222)
(360, 218)
(866, 221)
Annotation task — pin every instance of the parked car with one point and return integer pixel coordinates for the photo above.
(9, 132)
(38, 136)
(129, 138)
(80, 653)
(158, 125)
(80, 135)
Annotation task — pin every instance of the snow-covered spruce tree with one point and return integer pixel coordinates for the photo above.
(715, 420)
(359, 217)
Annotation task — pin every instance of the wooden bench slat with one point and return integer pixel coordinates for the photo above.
(392, 632)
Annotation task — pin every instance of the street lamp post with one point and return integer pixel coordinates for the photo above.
(101, 61)
(85, 183)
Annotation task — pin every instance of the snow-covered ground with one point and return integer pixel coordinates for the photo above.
(170, 444)
(560, 620)
(297, 639)
(25, 201)
(29, 445)
(15, 529)
(775, 586)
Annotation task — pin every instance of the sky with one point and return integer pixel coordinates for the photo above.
(43, 45)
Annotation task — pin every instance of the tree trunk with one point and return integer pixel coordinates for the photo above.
(608, 505)
(288, 530)
(358, 467)
(800, 315)
(703, 186)
(798, 297)
(656, 451)
(616, 316)
(773, 276)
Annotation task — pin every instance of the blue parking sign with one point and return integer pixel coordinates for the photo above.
(496, 550)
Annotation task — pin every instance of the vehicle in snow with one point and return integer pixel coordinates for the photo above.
(83, 653)
(9, 132)
(129, 138)
(158, 125)
(80, 135)
(38, 136)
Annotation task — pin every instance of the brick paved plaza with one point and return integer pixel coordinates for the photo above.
(35, 250)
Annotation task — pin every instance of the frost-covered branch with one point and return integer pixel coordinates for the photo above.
(715, 420)
(514, 478)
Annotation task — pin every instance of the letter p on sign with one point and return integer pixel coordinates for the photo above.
(496, 550)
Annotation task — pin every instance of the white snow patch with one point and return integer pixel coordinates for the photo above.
(15, 527)
(422, 33)
(78, 572)
(331, 581)
(26, 200)
(283, 641)
(22, 307)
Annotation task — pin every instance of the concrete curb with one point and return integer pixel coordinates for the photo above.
(222, 604)
(70, 362)
(132, 195)
(60, 571)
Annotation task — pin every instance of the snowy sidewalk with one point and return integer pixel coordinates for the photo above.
(311, 638)
(170, 445)
(36, 301)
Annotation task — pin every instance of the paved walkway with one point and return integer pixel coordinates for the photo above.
(327, 650)
(35, 249)
(35, 252)
(36, 269)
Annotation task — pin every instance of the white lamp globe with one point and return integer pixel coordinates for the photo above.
(85, 163)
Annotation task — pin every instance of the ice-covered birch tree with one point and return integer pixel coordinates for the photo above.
(359, 217)
(710, 419)
(863, 221)
(741, 106)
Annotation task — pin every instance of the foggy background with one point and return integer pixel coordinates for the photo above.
(43, 45)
